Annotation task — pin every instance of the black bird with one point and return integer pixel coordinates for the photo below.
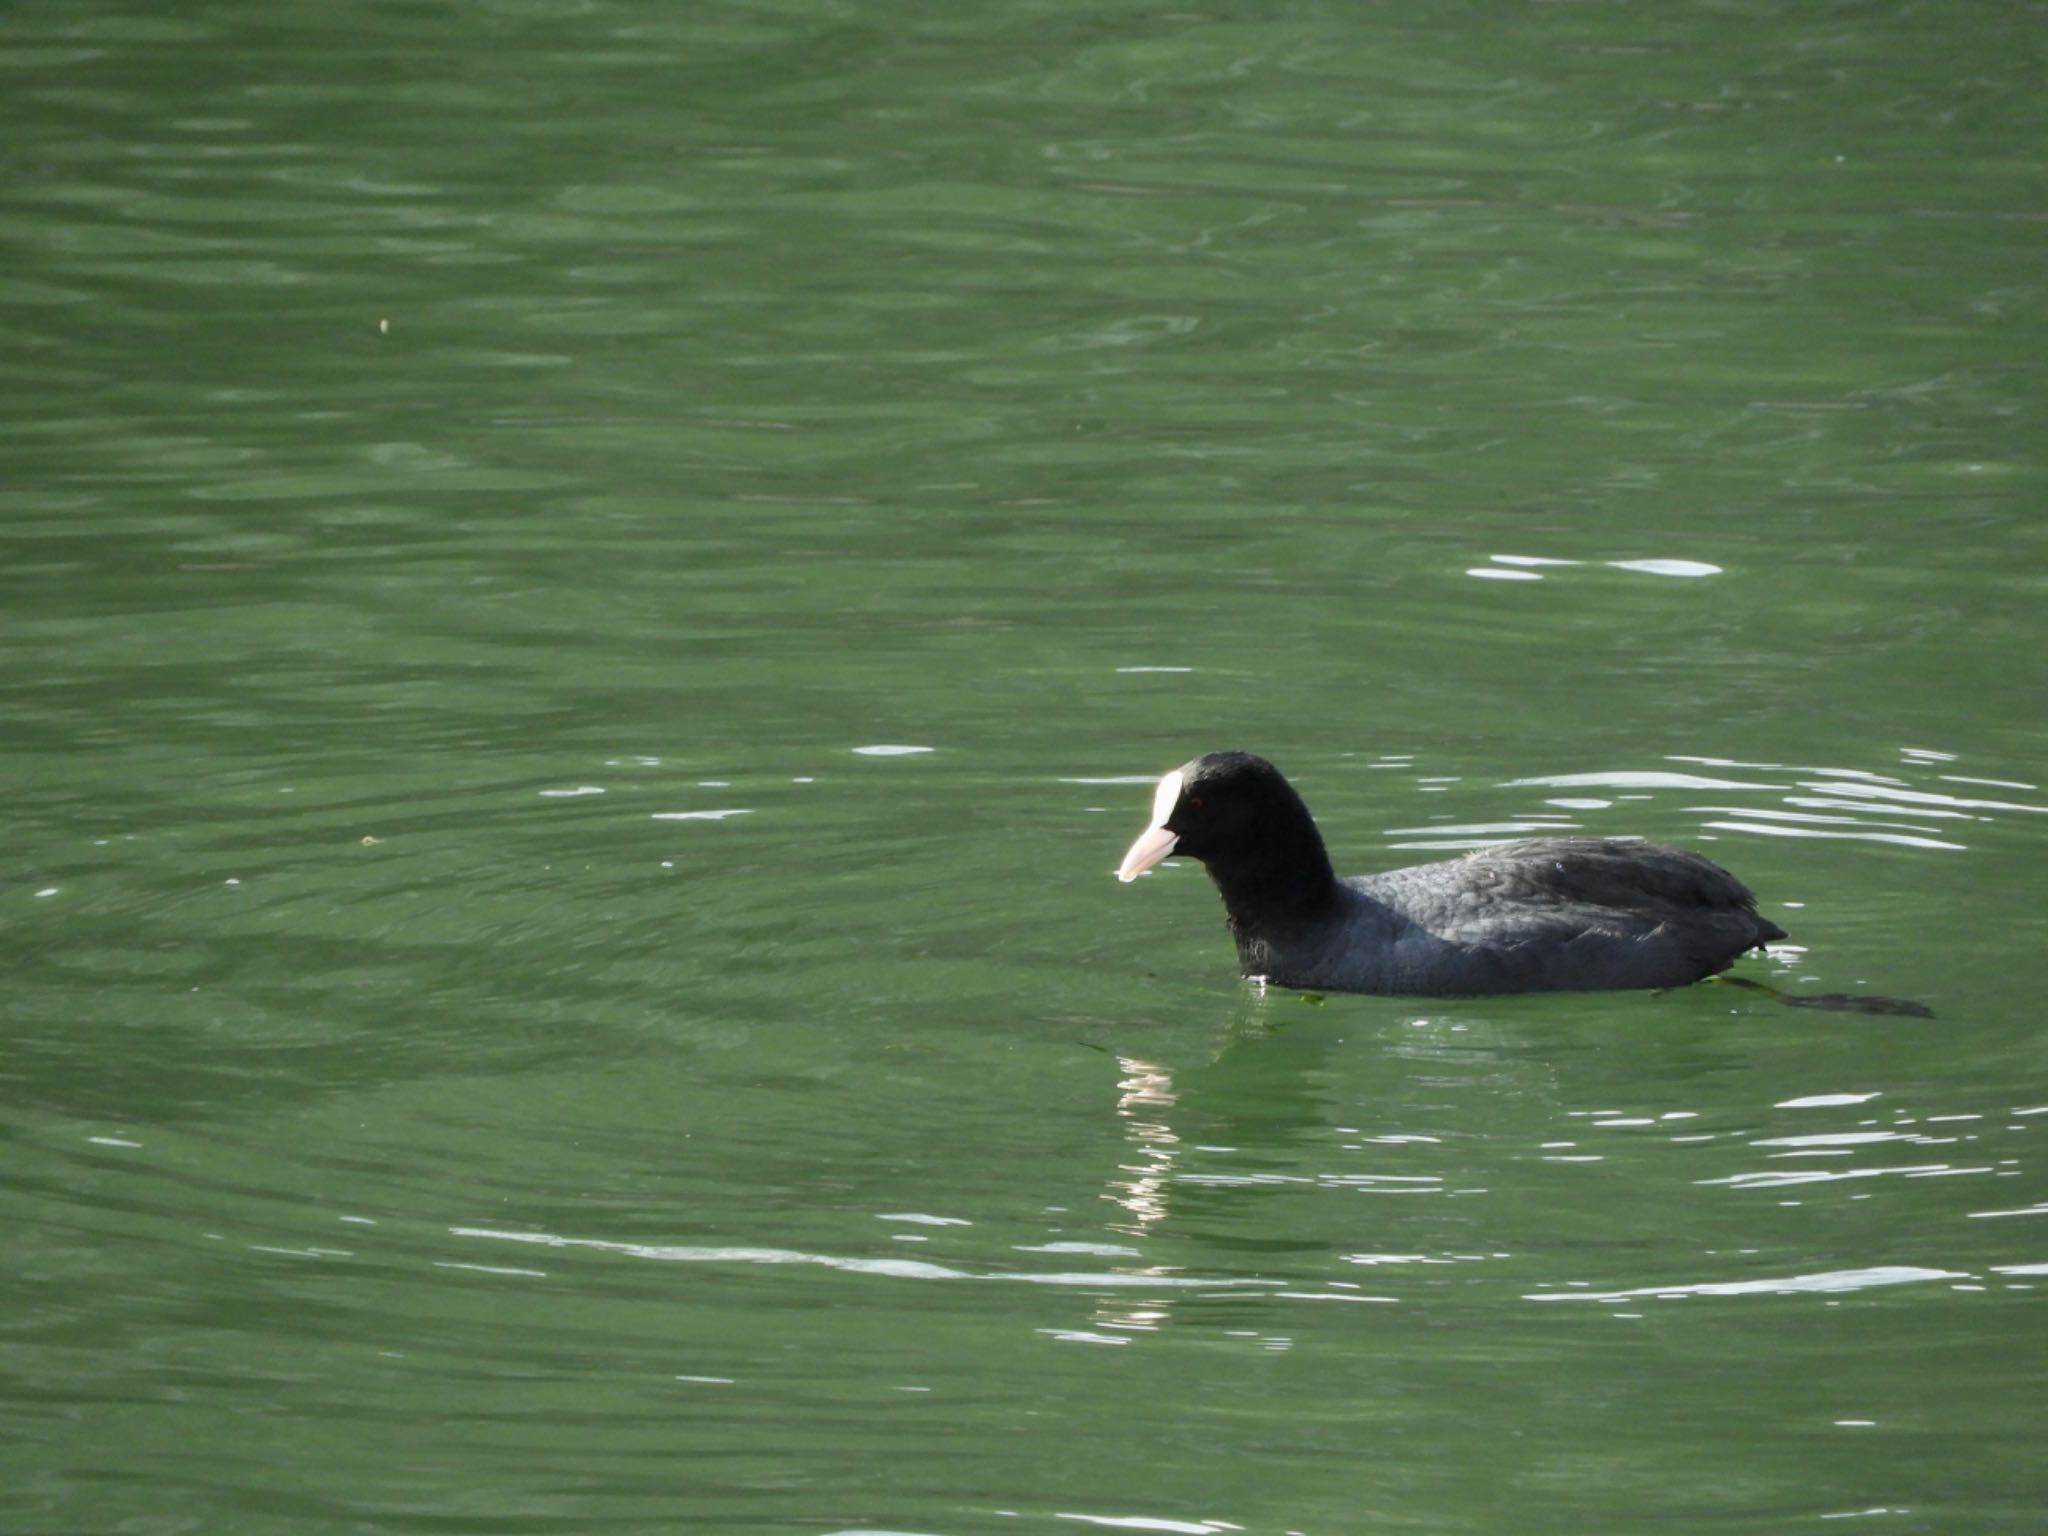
(1542, 915)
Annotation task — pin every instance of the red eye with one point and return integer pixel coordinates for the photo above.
(1195, 805)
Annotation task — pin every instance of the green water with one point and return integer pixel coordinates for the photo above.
(489, 1044)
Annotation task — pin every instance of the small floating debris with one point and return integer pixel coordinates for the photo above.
(887, 749)
(700, 815)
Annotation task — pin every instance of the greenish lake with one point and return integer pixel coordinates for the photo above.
(594, 590)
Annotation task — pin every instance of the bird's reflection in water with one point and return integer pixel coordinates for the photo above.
(1144, 1095)
(1139, 1187)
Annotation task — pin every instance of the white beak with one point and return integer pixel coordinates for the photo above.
(1149, 849)
(1155, 843)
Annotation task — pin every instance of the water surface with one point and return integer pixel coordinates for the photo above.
(593, 593)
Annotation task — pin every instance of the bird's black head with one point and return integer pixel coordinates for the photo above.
(1231, 810)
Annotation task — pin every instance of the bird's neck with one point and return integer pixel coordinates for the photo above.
(1276, 888)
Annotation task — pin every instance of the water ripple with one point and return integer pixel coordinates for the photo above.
(901, 1269)
(1826, 1281)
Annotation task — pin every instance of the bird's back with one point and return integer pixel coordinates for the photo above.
(1543, 914)
(1541, 873)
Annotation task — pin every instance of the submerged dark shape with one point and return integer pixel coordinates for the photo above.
(1539, 915)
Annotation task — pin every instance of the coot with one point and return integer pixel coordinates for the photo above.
(1540, 915)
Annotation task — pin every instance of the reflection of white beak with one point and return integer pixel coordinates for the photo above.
(1157, 842)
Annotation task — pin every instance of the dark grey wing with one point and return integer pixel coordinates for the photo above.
(1566, 911)
(1605, 873)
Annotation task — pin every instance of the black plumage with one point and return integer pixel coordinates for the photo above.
(1540, 914)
